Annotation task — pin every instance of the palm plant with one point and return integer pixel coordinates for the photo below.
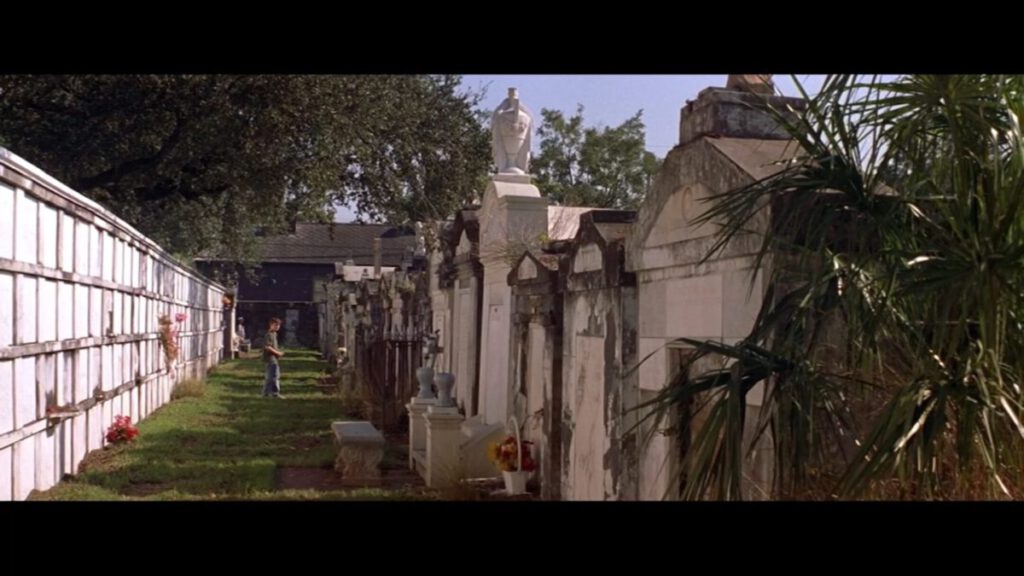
(894, 255)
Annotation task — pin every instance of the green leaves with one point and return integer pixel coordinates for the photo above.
(606, 167)
(895, 295)
(199, 162)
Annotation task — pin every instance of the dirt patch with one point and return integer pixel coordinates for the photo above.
(397, 438)
(308, 442)
(395, 472)
(322, 479)
(401, 478)
(495, 490)
(308, 479)
(143, 489)
(97, 460)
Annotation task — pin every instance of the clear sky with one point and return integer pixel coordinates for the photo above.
(608, 100)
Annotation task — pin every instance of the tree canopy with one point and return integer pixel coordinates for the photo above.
(200, 162)
(603, 167)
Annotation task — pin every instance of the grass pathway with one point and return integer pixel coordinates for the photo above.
(231, 443)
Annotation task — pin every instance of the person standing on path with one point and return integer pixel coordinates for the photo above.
(272, 384)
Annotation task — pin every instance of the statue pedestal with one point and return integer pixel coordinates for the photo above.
(511, 212)
(417, 408)
(443, 441)
(512, 178)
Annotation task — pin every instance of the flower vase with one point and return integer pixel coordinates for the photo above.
(515, 482)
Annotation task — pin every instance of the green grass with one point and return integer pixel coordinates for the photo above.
(188, 388)
(225, 444)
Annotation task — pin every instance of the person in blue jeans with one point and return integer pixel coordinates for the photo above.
(272, 385)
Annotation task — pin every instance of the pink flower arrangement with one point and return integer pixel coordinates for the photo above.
(506, 455)
(122, 430)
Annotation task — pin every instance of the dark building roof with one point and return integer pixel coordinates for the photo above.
(550, 261)
(330, 243)
(612, 225)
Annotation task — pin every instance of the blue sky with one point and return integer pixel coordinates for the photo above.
(608, 100)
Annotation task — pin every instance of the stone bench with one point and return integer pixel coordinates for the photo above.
(361, 450)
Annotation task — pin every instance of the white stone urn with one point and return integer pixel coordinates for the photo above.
(425, 375)
(444, 381)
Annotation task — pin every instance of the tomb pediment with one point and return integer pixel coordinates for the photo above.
(527, 269)
(533, 267)
(588, 258)
(676, 221)
(465, 245)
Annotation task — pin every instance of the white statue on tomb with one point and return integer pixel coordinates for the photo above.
(511, 126)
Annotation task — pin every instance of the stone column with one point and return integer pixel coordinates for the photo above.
(417, 409)
(513, 213)
(443, 441)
